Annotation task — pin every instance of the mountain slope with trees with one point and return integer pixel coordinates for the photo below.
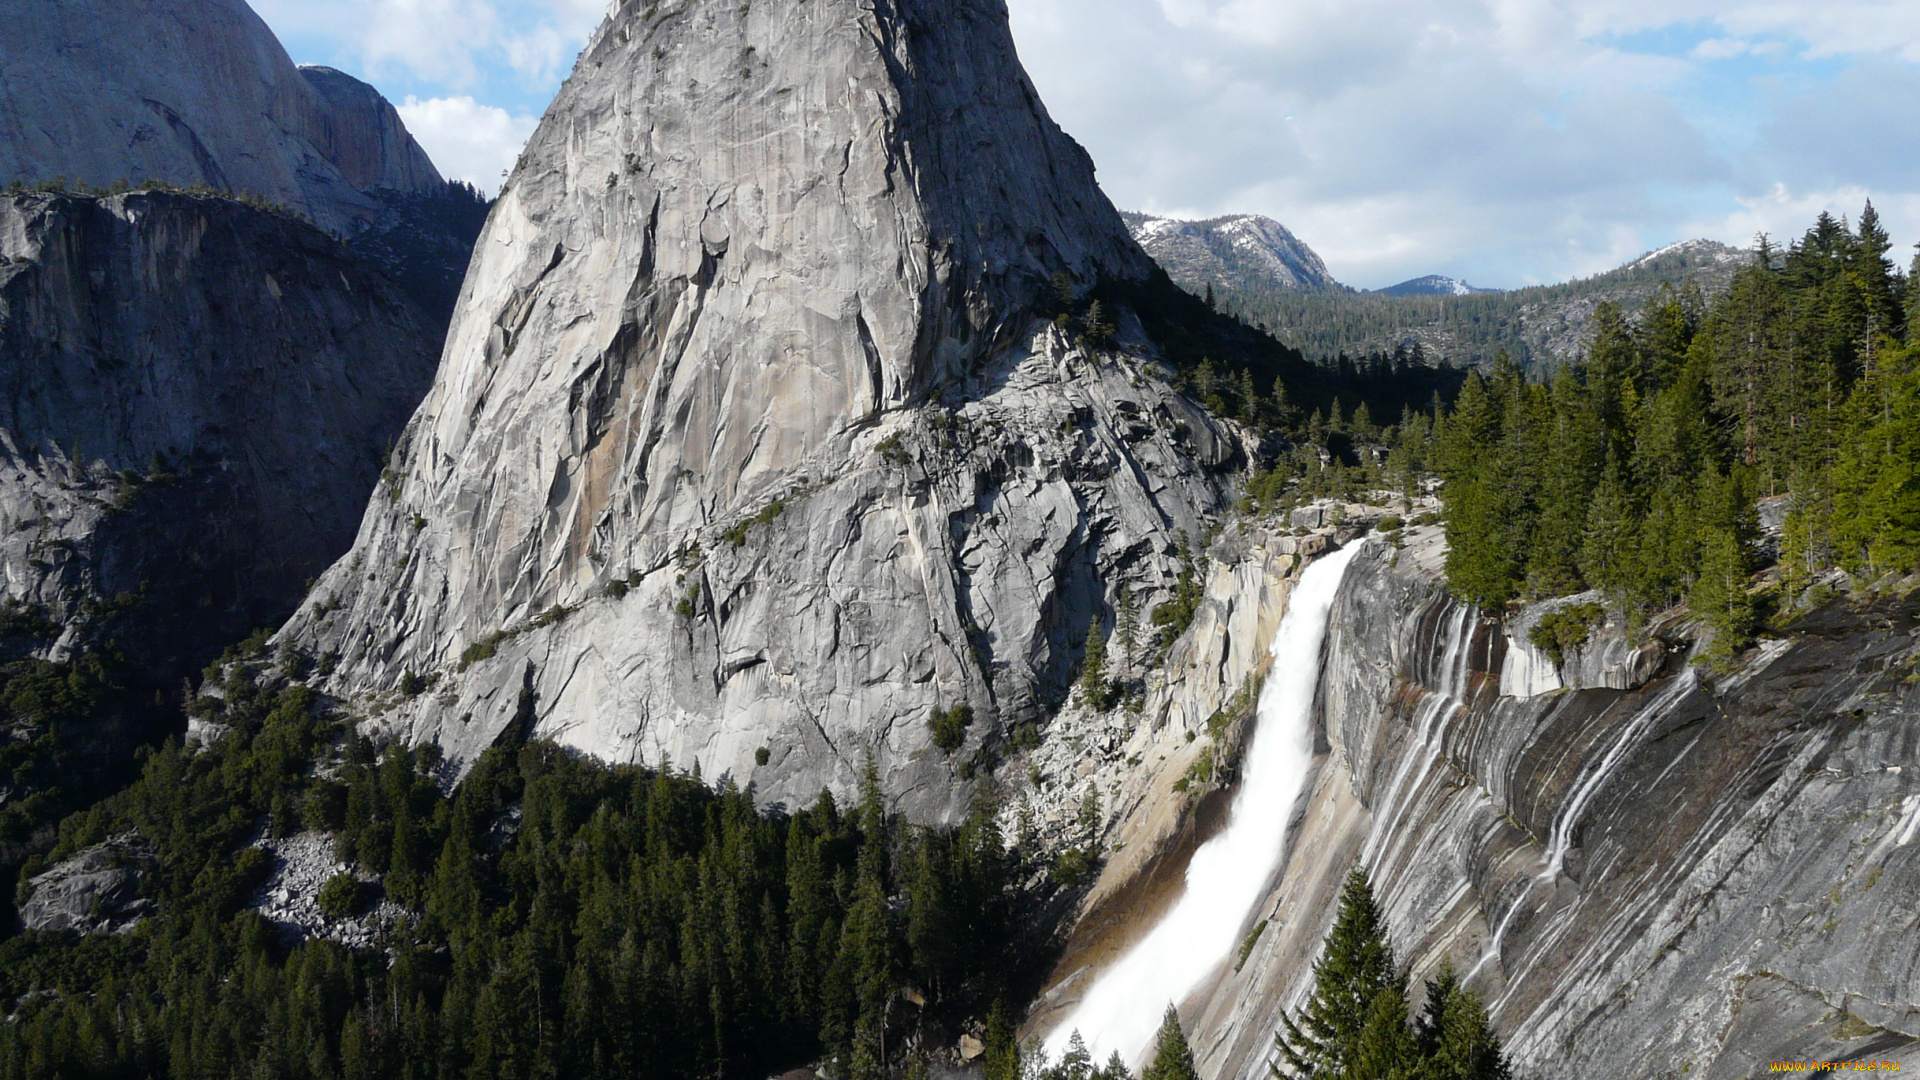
(1539, 326)
(1636, 471)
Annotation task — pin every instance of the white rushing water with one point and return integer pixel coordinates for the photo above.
(1574, 810)
(1123, 1009)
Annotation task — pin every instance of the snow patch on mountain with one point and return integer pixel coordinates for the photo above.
(1433, 285)
(1238, 250)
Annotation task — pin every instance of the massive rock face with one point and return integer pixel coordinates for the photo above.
(753, 431)
(194, 92)
(198, 397)
(1676, 874)
(361, 133)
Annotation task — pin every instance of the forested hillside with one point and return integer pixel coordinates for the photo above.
(562, 918)
(1537, 326)
(1636, 471)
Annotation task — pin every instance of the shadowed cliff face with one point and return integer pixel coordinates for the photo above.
(197, 398)
(748, 435)
(1691, 875)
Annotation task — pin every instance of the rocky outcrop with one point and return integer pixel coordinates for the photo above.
(95, 892)
(301, 865)
(198, 397)
(1604, 656)
(1237, 252)
(754, 431)
(195, 92)
(362, 135)
(1691, 877)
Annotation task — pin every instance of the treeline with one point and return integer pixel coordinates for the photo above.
(1464, 330)
(1636, 471)
(1242, 372)
(565, 918)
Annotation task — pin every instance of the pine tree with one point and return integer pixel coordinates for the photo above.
(1912, 299)
(1572, 455)
(1088, 820)
(1126, 628)
(1720, 594)
(1454, 1035)
(1096, 329)
(1487, 517)
(1385, 1048)
(1873, 276)
(1355, 1026)
(1207, 387)
(1172, 1057)
(1876, 481)
(1093, 670)
(1614, 374)
(1076, 1063)
(1247, 399)
(867, 937)
(1609, 554)
(1356, 967)
(1001, 1061)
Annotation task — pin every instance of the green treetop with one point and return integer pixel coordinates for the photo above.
(1172, 1057)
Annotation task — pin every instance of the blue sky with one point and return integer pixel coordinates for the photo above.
(1501, 141)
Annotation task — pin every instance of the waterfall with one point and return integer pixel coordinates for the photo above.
(1229, 873)
(1574, 809)
(1438, 706)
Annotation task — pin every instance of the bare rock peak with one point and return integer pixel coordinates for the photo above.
(753, 441)
(362, 134)
(193, 92)
(1242, 250)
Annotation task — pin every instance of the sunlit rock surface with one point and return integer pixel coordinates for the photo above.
(1698, 876)
(96, 891)
(753, 432)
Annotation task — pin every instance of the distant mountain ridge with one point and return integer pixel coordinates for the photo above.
(1259, 271)
(1432, 285)
(1237, 251)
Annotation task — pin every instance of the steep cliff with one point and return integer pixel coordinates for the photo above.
(754, 431)
(194, 92)
(1659, 872)
(362, 135)
(198, 396)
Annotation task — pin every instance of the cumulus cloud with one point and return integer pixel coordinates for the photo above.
(467, 140)
(454, 44)
(1503, 141)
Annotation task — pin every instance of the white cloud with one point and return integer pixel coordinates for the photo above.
(456, 44)
(1721, 49)
(467, 140)
(1503, 141)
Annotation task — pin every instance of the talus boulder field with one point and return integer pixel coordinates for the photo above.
(755, 440)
